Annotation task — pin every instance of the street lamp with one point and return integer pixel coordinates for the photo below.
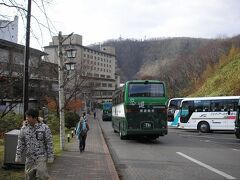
(71, 52)
(70, 66)
(69, 63)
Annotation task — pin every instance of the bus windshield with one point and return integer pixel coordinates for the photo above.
(174, 103)
(146, 90)
(107, 106)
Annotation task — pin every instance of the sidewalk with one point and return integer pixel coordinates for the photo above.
(94, 163)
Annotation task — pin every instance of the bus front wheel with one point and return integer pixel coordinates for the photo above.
(204, 127)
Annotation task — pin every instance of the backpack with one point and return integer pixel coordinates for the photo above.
(83, 128)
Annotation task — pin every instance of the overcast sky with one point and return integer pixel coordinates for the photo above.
(100, 20)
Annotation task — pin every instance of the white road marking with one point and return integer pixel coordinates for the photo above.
(236, 149)
(207, 166)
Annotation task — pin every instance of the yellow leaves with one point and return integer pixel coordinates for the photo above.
(232, 55)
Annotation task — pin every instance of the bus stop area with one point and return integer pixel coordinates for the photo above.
(93, 163)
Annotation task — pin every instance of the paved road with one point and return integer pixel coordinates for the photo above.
(182, 155)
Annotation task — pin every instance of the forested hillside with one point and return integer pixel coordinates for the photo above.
(180, 62)
(222, 79)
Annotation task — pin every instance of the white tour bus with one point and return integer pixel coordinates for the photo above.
(209, 113)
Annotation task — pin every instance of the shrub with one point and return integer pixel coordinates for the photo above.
(71, 119)
(9, 122)
(53, 123)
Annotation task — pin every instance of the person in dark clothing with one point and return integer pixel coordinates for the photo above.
(94, 114)
(82, 129)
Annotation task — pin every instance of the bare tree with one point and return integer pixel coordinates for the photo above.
(18, 8)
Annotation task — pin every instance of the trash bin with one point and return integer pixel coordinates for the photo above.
(10, 145)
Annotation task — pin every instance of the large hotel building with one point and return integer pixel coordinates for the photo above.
(97, 67)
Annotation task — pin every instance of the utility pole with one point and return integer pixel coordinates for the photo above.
(26, 61)
(61, 89)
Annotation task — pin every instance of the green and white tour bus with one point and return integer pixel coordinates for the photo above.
(140, 109)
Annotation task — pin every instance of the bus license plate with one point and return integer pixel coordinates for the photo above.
(147, 125)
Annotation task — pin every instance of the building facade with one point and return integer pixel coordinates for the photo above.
(97, 67)
(9, 30)
(11, 77)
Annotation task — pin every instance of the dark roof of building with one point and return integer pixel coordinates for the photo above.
(5, 43)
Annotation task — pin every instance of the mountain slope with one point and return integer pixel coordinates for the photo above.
(180, 62)
(225, 81)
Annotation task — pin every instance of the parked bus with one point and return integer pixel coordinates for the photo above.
(140, 109)
(237, 122)
(208, 113)
(174, 111)
(107, 111)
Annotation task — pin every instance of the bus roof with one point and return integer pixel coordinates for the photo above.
(211, 98)
(145, 80)
(176, 99)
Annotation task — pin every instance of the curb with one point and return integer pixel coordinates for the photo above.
(110, 162)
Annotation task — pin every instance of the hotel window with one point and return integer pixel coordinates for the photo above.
(91, 83)
(97, 84)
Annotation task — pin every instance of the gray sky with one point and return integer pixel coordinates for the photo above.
(98, 21)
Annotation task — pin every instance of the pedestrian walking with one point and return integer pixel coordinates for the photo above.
(94, 114)
(82, 129)
(35, 140)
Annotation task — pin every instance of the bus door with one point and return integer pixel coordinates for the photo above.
(231, 106)
(186, 112)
